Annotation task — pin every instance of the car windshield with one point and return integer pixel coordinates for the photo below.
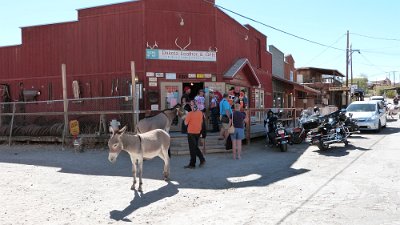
(361, 108)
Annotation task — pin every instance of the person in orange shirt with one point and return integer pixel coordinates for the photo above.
(194, 121)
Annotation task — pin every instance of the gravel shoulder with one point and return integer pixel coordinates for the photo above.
(358, 185)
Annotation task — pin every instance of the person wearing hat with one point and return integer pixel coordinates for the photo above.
(185, 102)
(194, 121)
(186, 96)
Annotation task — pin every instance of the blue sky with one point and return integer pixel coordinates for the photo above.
(370, 23)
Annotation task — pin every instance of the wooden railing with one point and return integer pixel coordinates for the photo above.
(256, 116)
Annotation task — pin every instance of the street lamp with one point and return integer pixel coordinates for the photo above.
(351, 62)
(349, 53)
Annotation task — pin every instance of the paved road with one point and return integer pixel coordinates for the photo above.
(354, 185)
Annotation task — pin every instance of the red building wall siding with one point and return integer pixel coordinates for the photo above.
(163, 26)
(289, 66)
(10, 58)
(99, 47)
(230, 42)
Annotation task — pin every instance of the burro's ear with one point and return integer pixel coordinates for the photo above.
(123, 130)
(111, 131)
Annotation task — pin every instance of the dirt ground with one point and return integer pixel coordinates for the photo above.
(41, 184)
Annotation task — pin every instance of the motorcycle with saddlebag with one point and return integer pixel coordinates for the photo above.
(276, 132)
(332, 130)
(307, 122)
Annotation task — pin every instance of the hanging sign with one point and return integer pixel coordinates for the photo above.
(152, 84)
(149, 74)
(339, 88)
(170, 76)
(178, 55)
(154, 107)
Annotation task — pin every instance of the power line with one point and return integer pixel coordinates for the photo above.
(381, 53)
(274, 28)
(334, 59)
(340, 38)
(375, 49)
(367, 64)
(368, 61)
(376, 38)
(311, 41)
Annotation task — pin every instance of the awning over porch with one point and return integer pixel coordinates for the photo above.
(243, 66)
(320, 71)
(296, 86)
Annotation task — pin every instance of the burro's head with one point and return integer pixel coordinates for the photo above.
(115, 144)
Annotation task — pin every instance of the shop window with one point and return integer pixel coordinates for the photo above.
(75, 89)
(172, 96)
(278, 100)
(301, 95)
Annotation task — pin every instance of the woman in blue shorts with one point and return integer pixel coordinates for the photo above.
(238, 135)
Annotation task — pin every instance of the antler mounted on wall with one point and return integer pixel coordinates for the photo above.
(152, 46)
(184, 48)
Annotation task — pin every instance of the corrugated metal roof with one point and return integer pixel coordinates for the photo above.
(322, 71)
(237, 66)
(295, 84)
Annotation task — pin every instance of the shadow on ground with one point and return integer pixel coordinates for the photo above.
(339, 150)
(269, 165)
(259, 166)
(144, 199)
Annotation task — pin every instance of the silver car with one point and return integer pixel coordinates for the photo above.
(379, 98)
(370, 115)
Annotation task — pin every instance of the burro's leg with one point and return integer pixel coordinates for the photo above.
(140, 165)
(164, 156)
(134, 161)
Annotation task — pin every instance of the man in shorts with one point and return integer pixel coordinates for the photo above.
(225, 112)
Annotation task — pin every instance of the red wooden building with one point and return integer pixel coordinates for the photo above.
(174, 43)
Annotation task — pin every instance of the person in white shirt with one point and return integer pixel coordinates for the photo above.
(200, 100)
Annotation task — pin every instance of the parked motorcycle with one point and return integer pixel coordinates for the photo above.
(332, 130)
(278, 136)
(351, 124)
(307, 122)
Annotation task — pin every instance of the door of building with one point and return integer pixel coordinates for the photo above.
(171, 93)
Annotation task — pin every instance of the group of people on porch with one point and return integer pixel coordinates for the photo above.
(221, 111)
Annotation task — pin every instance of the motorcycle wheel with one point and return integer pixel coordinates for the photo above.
(296, 138)
(322, 146)
(283, 147)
